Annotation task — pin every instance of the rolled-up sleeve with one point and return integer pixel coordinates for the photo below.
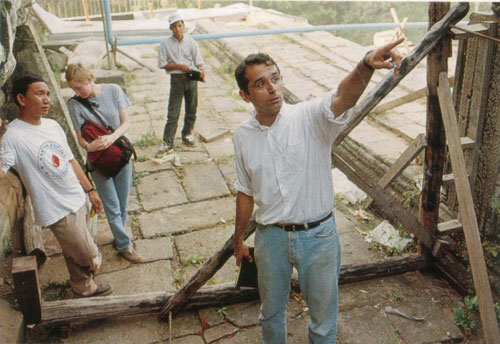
(162, 55)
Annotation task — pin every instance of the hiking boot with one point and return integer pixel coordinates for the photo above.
(102, 290)
(165, 149)
(131, 255)
(189, 140)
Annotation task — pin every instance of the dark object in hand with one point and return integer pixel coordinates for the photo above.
(247, 276)
(195, 75)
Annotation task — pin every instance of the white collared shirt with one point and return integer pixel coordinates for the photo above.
(184, 52)
(286, 167)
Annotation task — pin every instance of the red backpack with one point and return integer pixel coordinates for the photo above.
(111, 160)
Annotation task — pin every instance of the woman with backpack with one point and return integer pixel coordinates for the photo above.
(104, 105)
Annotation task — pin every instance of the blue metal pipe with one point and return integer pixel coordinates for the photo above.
(210, 36)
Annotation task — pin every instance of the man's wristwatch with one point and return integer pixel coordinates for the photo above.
(90, 190)
(366, 63)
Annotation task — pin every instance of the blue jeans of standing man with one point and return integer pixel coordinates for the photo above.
(180, 87)
(316, 255)
(114, 193)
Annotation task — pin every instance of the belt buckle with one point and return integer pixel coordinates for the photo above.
(293, 228)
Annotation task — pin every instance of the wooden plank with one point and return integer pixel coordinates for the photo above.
(25, 276)
(448, 179)
(398, 167)
(211, 266)
(404, 99)
(437, 62)
(468, 216)
(57, 313)
(448, 227)
(384, 202)
(467, 143)
(459, 33)
(430, 40)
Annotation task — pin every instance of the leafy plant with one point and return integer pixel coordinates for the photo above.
(148, 140)
(466, 313)
(142, 158)
(195, 260)
(222, 311)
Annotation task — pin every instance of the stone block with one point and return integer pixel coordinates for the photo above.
(54, 270)
(160, 190)
(56, 60)
(211, 316)
(251, 335)
(155, 249)
(215, 333)
(204, 181)
(244, 314)
(140, 278)
(175, 220)
(12, 324)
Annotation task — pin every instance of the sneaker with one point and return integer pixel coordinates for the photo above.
(102, 290)
(189, 140)
(131, 255)
(165, 149)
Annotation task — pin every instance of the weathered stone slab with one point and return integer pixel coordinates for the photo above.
(177, 219)
(111, 260)
(365, 325)
(160, 190)
(228, 169)
(189, 340)
(140, 278)
(11, 326)
(53, 271)
(215, 333)
(244, 314)
(133, 329)
(220, 148)
(104, 235)
(203, 244)
(213, 134)
(204, 181)
(252, 335)
(134, 205)
(211, 316)
(154, 249)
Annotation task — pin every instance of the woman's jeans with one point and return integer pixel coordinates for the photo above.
(315, 253)
(114, 193)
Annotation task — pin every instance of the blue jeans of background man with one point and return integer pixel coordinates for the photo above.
(114, 193)
(180, 87)
(316, 255)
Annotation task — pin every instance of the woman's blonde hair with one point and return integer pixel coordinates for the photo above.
(76, 72)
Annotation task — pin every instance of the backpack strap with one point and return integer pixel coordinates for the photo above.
(89, 106)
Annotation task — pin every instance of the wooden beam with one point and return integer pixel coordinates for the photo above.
(465, 31)
(33, 239)
(430, 40)
(25, 276)
(404, 99)
(403, 161)
(448, 227)
(468, 216)
(475, 33)
(437, 62)
(56, 313)
(211, 266)
(383, 201)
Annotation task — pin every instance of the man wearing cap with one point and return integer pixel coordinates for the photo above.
(179, 55)
(283, 165)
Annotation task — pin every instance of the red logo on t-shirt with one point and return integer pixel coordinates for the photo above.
(55, 160)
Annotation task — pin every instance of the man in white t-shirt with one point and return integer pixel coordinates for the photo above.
(37, 148)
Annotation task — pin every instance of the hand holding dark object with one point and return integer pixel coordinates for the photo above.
(241, 251)
(96, 202)
(385, 56)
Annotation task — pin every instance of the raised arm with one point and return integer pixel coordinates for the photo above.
(354, 84)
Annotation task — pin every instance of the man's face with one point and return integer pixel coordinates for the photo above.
(265, 90)
(81, 89)
(36, 101)
(177, 29)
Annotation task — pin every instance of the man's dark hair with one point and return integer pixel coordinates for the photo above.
(20, 85)
(250, 60)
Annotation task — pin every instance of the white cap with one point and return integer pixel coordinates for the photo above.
(174, 18)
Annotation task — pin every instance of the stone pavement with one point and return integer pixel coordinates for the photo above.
(181, 215)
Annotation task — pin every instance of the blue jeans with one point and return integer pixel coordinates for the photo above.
(316, 255)
(180, 88)
(114, 193)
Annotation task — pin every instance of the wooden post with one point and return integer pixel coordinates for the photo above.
(85, 5)
(25, 276)
(468, 215)
(437, 62)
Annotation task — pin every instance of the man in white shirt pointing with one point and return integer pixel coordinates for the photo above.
(283, 164)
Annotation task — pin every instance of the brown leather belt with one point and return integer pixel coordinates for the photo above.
(301, 226)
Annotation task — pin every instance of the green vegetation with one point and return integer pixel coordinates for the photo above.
(195, 260)
(466, 314)
(222, 311)
(148, 140)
